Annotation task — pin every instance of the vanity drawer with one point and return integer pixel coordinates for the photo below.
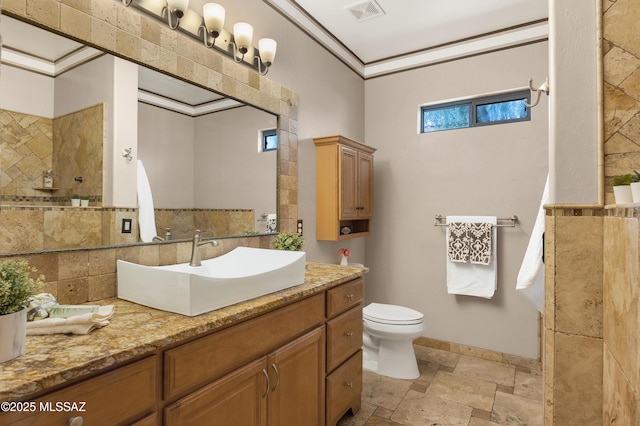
(344, 336)
(344, 387)
(199, 362)
(116, 397)
(341, 298)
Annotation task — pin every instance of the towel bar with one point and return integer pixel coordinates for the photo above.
(513, 219)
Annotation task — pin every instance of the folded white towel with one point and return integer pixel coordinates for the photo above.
(79, 324)
(473, 279)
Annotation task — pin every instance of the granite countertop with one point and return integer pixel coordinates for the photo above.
(136, 331)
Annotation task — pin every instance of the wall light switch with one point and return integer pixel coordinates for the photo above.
(300, 227)
(126, 226)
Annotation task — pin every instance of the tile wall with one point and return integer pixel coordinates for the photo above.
(592, 318)
(621, 303)
(70, 146)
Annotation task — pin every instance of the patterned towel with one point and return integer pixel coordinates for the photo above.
(458, 249)
(480, 237)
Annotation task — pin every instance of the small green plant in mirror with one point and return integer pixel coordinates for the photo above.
(16, 287)
(288, 241)
(623, 180)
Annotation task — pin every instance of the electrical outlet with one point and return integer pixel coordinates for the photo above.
(300, 227)
(126, 226)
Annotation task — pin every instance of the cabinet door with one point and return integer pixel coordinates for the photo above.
(296, 374)
(237, 399)
(364, 206)
(116, 397)
(348, 166)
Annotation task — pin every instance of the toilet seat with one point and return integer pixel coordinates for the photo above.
(391, 314)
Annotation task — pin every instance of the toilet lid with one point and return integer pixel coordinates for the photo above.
(391, 314)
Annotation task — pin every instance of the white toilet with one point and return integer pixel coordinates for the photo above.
(388, 333)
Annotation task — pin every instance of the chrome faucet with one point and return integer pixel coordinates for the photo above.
(168, 236)
(195, 249)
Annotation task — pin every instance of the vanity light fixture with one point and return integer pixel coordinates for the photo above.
(213, 22)
(267, 53)
(175, 8)
(242, 38)
(210, 29)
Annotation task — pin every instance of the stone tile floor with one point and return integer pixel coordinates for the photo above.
(452, 389)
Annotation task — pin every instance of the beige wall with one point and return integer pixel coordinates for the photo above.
(492, 170)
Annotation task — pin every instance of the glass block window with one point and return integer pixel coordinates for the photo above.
(494, 109)
(269, 140)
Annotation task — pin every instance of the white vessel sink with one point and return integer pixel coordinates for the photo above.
(240, 275)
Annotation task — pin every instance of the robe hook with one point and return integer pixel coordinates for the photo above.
(544, 87)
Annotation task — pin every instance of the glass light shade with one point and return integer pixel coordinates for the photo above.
(180, 5)
(267, 48)
(243, 34)
(213, 17)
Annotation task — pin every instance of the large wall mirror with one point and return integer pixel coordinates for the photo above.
(62, 104)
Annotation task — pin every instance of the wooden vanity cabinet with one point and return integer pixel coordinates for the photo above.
(283, 388)
(344, 353)
(117, 397)
(300, 364)
(344, 188)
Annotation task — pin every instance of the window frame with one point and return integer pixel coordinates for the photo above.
(267, 133)
(474, 103)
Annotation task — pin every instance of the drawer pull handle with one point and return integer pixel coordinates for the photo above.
(349, 334)
(349, 385)
(76, 421)
(350, 297)
(277, 377)
(266, 376)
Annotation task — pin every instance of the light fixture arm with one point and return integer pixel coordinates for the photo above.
(205, 36)
(177, 13)
(267, 65)
(126, 2)
(242, 51)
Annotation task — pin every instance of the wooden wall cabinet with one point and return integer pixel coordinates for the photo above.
(344, 188)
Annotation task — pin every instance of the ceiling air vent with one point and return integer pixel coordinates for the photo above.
(365, 10)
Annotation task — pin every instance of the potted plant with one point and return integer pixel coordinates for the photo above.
(622, 189)
(288, 241)
(635, 186)
(75, 200)
(84, 200)
(16, 287)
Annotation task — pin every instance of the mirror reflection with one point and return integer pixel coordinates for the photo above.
(65, 107)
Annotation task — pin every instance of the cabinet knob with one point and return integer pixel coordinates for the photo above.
(349, 385)
(350, 297)
(76, 421)
(349, 334)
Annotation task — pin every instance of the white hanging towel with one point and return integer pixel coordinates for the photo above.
(146, 212)
(530, 279)
(472, 279)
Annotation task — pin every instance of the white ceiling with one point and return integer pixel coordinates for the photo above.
(413, 33)
(408, 34)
